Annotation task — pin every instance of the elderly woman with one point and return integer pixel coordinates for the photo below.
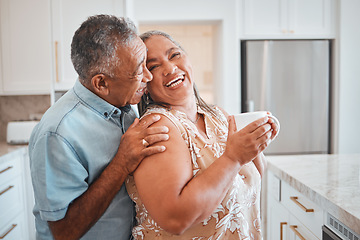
(206, 185)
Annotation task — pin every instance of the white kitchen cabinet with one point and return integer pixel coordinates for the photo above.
(35, 39)
(14, 229)
(278, 220)
(278, 216)
(16, 219)
(288, 19)
(290, 215)
(67, 16)
(308, 213)
(25, 52)
(297, 230)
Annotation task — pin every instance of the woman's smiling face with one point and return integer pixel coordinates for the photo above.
(171, 69)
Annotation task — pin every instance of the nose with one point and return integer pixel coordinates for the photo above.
(147, 76)
(169, 68)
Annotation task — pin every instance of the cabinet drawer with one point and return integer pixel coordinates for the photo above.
(9, 170)
(306, 211)
(11, 199)
(298, 230)
(13, 229)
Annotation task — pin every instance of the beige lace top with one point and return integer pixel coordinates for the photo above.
(238, 215)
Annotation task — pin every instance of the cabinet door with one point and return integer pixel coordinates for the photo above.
(67, 16)
(277, 221)
(281, 19)
(265, 17)
(310, 17)
(25, 46)
(11, 200)
(11, 188)
(14, 229)
(277, 214)
(309, 213)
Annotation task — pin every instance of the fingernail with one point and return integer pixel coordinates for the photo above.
(166, 129)
(162, 148)
(157, 117)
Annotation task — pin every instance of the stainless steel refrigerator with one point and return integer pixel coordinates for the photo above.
(290, 78)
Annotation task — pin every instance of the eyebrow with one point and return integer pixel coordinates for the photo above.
(166, 53)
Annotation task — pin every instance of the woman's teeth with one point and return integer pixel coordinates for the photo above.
(175, 82)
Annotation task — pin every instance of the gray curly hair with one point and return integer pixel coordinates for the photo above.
(94, 45)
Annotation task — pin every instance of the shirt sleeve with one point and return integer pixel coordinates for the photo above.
(58, 175)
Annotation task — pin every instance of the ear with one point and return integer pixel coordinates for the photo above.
(100, 85)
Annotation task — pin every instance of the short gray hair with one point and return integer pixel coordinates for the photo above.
(94, 45)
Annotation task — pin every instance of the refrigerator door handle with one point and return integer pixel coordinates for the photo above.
(265, 75)
(249, 106)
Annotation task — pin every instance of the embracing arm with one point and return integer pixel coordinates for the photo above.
(89, 207)
(85, 211)
(174, 198)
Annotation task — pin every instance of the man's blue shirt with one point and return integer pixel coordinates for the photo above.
(70, 147)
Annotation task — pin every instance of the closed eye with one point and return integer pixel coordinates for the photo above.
(174, 55)
(152, 67)
(140, 71)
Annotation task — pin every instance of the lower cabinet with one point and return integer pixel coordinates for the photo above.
(16, 219)
(299, 230)
(278, 219)
(14, 229)
(290, 215)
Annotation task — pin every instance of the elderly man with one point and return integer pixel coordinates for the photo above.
(80, 154)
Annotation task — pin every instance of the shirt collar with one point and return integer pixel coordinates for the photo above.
(199, 110)
(102, 107)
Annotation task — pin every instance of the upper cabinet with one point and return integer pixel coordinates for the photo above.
(67, 16)
(287, 19)
(35, 41)
(25, 52)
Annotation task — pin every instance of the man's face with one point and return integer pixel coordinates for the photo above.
(131, 77)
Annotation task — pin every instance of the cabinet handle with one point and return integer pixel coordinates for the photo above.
(292, 31)
(10, 187)
(56, 61)
(294, 229)
(12, 228)
(295, 200)
(4, 170)
(281, 229)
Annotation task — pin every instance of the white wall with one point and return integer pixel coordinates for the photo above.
(349, 77)
(227, 72)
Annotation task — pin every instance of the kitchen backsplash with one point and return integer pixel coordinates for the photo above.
(14, 108)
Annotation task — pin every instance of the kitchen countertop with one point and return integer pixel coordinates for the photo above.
(6, 148)
(331, 181)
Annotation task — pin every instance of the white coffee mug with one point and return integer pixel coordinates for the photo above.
(243, 119)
